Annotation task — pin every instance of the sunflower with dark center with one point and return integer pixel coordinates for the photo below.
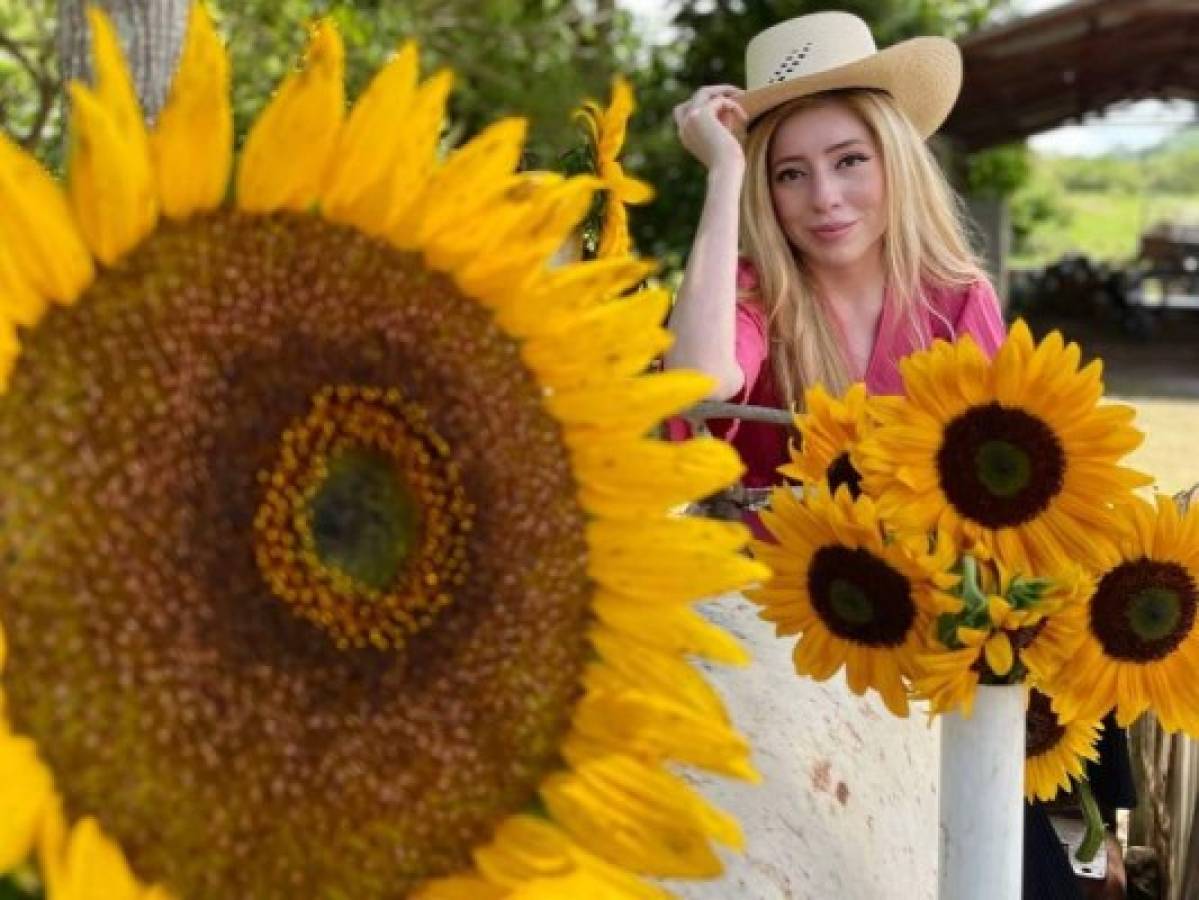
(1015, 455)
(996, 626)
(336, 561)
(1141, 646)
(855, 599)
(1055, 752)
(829, 428)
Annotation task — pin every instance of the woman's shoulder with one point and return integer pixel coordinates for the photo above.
(967, 309)
(953, 300)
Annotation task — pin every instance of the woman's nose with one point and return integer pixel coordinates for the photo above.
(825, 192)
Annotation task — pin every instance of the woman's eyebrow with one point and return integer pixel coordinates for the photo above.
(840, 145)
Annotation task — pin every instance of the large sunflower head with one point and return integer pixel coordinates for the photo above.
(996, 626)
(335, 558)
(829, 428)
(1055, 752)
(1015, 455)
(1140, 648)
(856, 600)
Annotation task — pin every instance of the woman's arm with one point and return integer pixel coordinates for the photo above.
(704, 316)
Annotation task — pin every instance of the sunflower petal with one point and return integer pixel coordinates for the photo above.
(286, 158)
(194, 131)
(639, 817)
(370, 145)
(28, 790)
(37, 231)
(109, 180)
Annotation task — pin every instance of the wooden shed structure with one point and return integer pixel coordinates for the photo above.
(1052, 68)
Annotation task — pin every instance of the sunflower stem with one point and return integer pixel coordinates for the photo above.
(974, 597)
(1093, 838)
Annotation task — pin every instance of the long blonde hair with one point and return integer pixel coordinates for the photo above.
(924, 243)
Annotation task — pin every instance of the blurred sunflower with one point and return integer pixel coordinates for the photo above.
(1140, 648)
(829, 427)
(1015, 455)
(856, 600)
(606, 129)
(335, 560)
(997, 627)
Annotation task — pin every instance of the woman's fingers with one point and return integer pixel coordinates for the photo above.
(702, 97)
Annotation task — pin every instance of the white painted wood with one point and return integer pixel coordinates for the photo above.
(847, 809)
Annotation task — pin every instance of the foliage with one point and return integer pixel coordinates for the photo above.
(1100, 206)
(998, 172)
(30, 87)
(535, 58)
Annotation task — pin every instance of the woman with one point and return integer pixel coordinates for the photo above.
(852, 255)
(853, 248)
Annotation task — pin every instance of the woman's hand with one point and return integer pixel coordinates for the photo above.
(711, 124)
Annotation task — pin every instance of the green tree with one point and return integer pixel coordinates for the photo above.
(537, 58)
(30, 86)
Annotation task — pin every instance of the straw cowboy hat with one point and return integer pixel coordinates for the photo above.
(830, 50)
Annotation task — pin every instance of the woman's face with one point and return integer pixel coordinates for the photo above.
(826, 180)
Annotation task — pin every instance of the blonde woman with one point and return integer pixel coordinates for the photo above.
(830, 245)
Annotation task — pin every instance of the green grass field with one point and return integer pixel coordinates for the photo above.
(1106, 225)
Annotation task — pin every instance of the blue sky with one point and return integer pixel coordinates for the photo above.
(1126, 126)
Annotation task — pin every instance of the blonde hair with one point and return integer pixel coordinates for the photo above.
(924, 243)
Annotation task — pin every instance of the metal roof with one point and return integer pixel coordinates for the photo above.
(1048, 69)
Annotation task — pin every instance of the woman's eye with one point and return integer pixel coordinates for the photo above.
(787, 174)
(852, 159)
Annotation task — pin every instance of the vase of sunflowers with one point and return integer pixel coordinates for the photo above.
(977, 545)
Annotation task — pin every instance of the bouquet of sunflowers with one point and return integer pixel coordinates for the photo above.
(981, 529)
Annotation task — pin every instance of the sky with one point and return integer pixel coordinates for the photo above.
(1126, 126)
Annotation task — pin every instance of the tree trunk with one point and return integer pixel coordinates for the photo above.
(151, 34)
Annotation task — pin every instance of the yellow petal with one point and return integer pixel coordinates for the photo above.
(631, 406)
(565, 292)
(418, 152)
(114, 84)
(639, 476)
(108, 180)
(37, 229)
(192, 142)
(109, 176)
(460, 887)
(619, 339)
(673, 627)
(538, 860)
(286, 157)
(95, 868)
(998, 609)
(19, 302)
(370, 145)
(656, 728)
(469, 178)
(971, 637)
(639, 817)
(673, 559)
(27, 789)
(998, 650)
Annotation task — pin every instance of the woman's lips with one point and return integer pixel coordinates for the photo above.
(832, 232)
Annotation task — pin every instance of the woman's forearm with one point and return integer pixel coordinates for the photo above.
(704, 314)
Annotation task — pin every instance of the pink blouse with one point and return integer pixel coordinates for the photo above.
(973, 310)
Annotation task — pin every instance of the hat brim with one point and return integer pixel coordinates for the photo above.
(923, 75)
